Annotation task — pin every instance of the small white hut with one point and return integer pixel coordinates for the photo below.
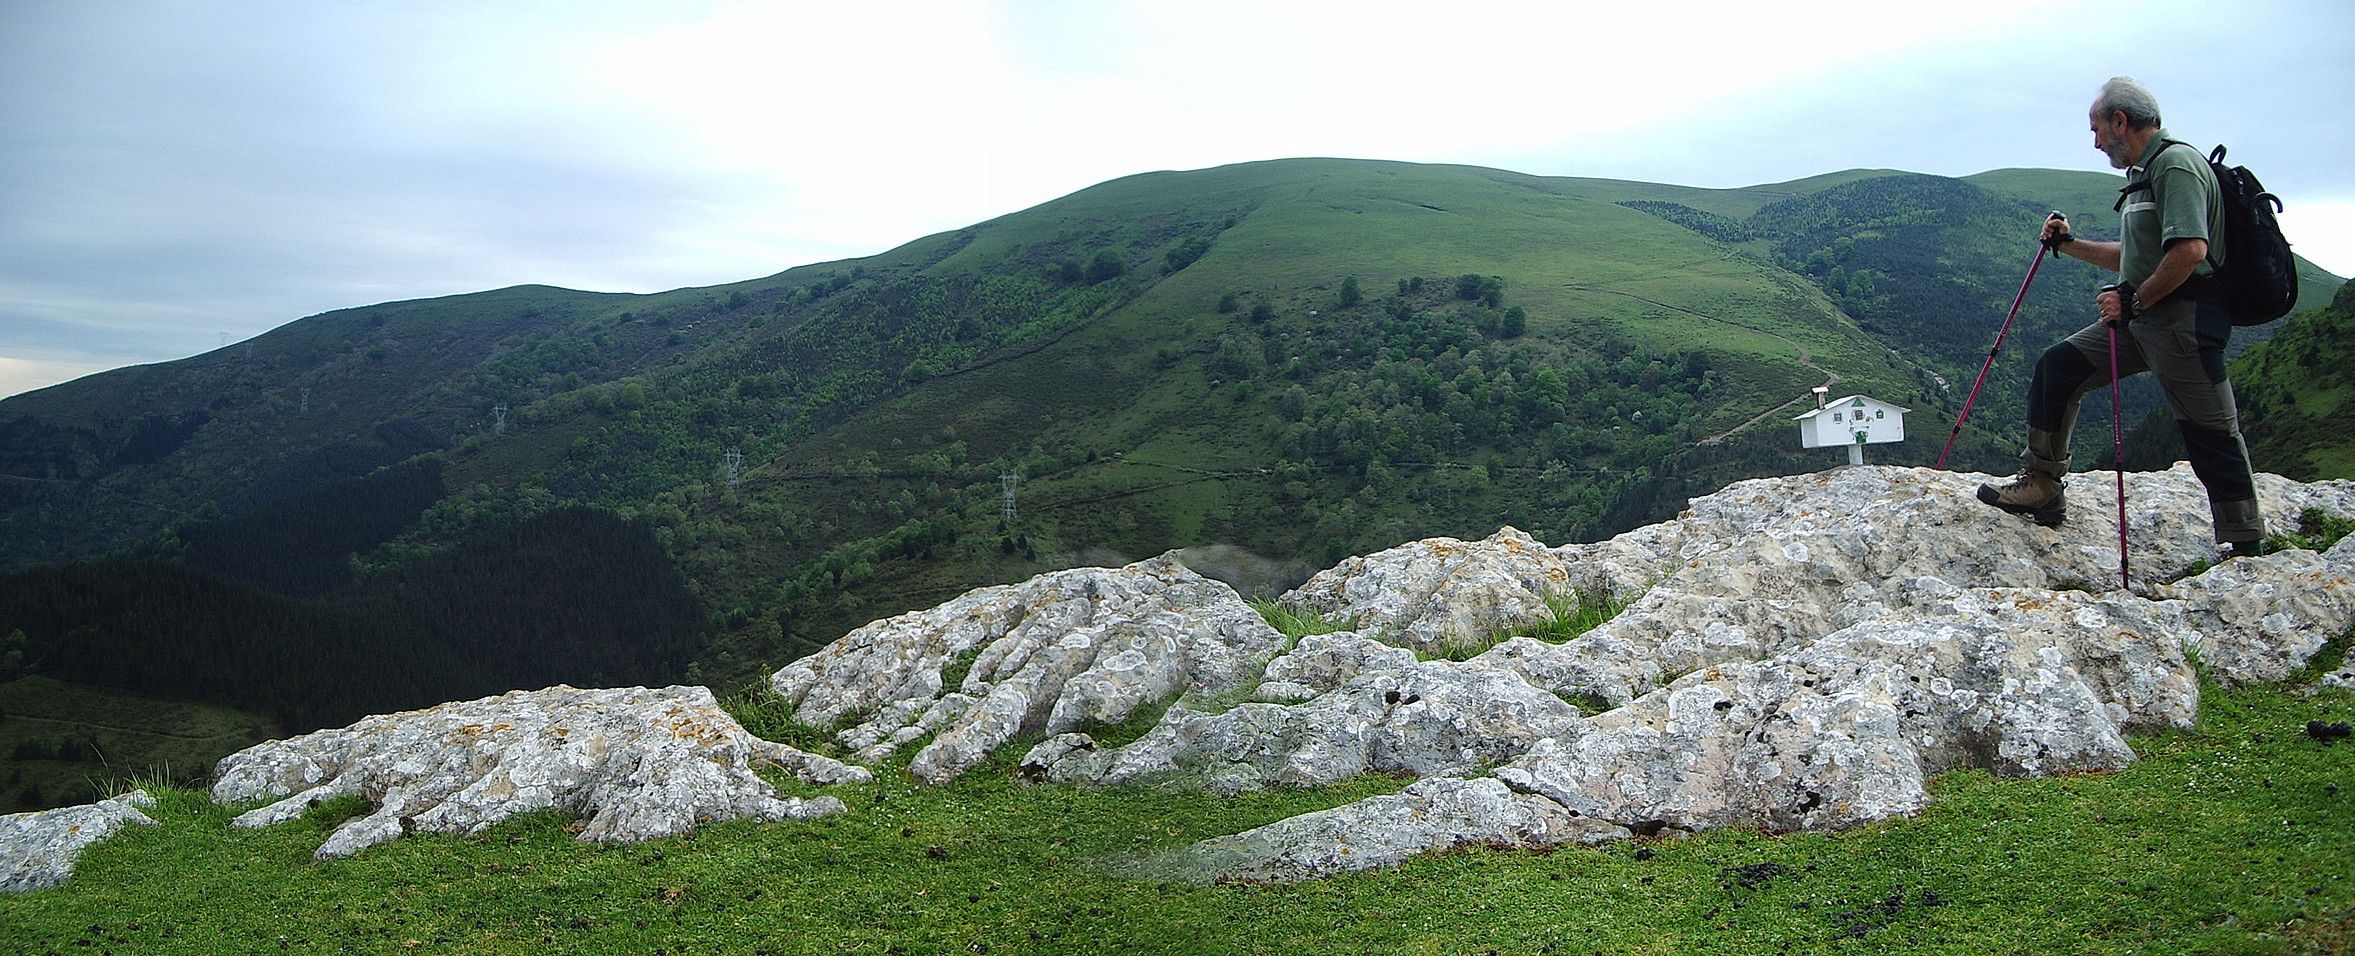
(1852, 423)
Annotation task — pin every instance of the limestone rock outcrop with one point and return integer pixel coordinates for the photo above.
(639, 763)
(1810, 651)
(38, 849)
(1044, 656)
(1394, 716)
(2256, 619)
(1767, 565)
(1430, 815)
(1441, 594)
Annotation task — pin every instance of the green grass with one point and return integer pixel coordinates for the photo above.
(2230, 838)
(1295, 624)
(1567, 616)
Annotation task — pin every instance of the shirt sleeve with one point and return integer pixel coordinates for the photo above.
(2183, 203)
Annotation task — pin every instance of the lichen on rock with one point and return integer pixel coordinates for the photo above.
(38, 849)
(639, 763)
(1048, 655)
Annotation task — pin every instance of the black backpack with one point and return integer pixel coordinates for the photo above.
(2260, 275)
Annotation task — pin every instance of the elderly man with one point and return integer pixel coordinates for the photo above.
(2170, 317)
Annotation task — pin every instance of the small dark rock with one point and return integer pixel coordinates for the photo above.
(936, 853)
(1724, 705)
(1644, 853)
(2335, 730)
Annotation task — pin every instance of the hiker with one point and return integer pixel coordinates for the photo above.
(2170, 317)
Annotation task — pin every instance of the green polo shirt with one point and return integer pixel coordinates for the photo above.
(2182, 204)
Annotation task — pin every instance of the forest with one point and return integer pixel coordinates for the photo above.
(574, 595)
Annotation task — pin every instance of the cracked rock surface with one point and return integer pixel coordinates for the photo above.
(1042, 656)
(637, 762)
(1804, 653)
(1793, 653)
(38, 849)
(1400, 716)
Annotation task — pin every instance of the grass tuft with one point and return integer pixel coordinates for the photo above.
(1295, 624)
(1568, 615)
(768, 716)
(2317, 531)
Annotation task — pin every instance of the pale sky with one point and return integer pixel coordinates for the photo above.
(175, 174)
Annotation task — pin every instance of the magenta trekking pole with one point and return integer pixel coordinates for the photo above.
(2118, 441)
(2041, 249)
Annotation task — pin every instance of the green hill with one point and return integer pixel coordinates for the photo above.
(1286, 361)
(2296, 385)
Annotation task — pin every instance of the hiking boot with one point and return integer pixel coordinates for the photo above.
(2241, 549)
(2032, 493)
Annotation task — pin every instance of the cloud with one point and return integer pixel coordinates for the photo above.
(24, 375)
(173, 169)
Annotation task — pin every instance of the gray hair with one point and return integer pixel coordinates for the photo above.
(2124, 94)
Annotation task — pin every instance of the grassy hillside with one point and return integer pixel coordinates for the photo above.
(1284, 362)
(2231, 837)
(59, 752)
(2295, 391)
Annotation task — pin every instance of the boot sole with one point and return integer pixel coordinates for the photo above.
(2049, 515)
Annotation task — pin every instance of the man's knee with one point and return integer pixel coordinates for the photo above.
(2061, 372)
(2066, 360)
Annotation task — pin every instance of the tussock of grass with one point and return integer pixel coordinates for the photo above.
(2317, 531)
(954, 672)
(1295, 624)
(765, 715)
(1568, 615)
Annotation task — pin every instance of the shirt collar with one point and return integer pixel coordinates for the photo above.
(2159, 140)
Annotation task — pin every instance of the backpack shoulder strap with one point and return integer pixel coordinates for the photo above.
(2144, 184)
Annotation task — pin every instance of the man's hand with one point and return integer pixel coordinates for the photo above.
(2056, 233)
(2055, 225)
(2116, 303)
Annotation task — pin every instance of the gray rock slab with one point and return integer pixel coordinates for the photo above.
(1044, 656)
(2261, 619)
(637, 762)
(38, 849)
(1428, 719)
(1439, 813)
